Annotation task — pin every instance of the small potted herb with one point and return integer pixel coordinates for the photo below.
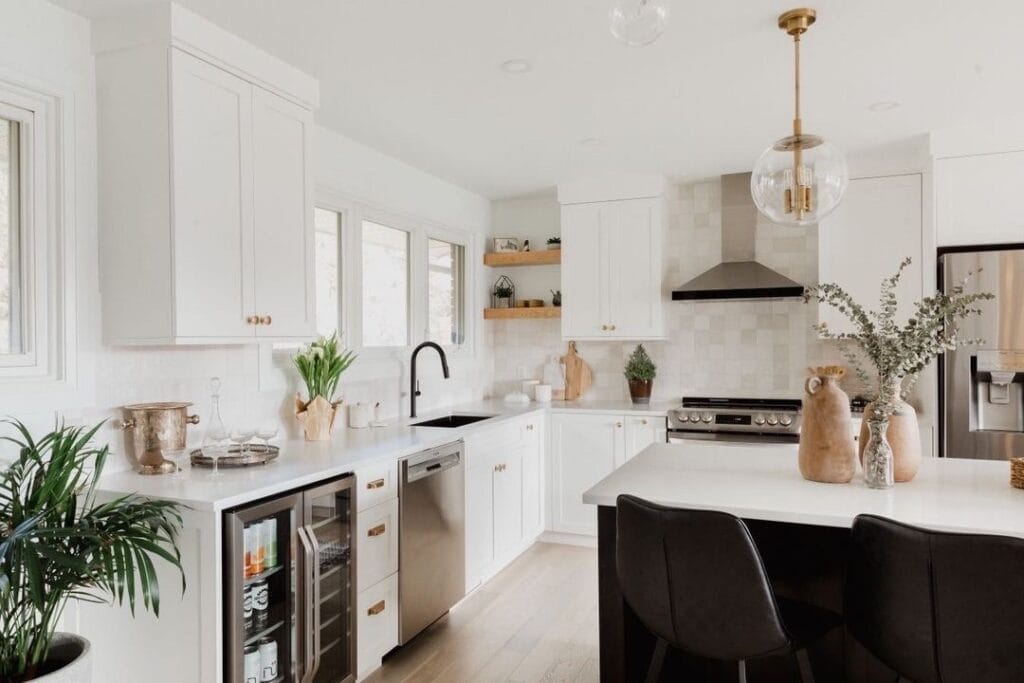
(554, 243)
(640, 372)
(320, 365)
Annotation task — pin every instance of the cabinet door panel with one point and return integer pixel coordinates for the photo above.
(584, 450)
(582, 281)
(533, 482)
(863, 241)
(283, 216)
(977, 199)
(508, 502)
(633, 240)
(479, 523)
(641, 432)
(212, 200)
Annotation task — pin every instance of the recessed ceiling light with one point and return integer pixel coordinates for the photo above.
(887, 105)
(516, 66)
(591, 142)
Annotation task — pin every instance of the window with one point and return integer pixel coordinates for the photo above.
(327, 230)
(11, 304)
(385, 301)
(445, 292)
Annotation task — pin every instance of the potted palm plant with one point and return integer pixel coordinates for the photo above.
(57, 542)
(640, 372)
(890, 442)
(320, 365)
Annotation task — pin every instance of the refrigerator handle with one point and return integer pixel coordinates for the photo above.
(311, 657)
(314, 579)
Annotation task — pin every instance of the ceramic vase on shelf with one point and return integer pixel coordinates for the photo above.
(827, 450)
(902, 434)
(878, 454)
(317, 417)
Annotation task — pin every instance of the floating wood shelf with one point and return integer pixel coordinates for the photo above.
(545, 257)
(522, 313)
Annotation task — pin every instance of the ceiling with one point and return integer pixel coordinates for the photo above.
(421, 81)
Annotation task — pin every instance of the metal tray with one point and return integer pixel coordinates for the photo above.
(254, 455)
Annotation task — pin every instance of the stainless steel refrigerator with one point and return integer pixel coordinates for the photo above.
(289, 570)
(982, 386)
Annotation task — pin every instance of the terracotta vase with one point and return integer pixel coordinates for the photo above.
(640, 391)
(903, 436)
(827, 449)
(317, 417)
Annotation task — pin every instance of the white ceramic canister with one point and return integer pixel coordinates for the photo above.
(359, 416)
(542, 393)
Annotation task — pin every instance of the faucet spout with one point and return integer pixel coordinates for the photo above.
(414, 389)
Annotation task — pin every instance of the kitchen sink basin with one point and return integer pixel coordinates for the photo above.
(451, 421)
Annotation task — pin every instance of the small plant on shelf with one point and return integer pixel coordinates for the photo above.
(640, 372)
(504, 293)
(555, 243)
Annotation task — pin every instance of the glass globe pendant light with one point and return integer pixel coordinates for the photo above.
(801, 178)
(638, 22)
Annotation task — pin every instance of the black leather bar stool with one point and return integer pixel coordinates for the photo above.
(695, 579)
(937, 606)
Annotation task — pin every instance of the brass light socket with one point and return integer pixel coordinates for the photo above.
(797, 21)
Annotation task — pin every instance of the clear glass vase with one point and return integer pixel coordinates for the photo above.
(879, 471)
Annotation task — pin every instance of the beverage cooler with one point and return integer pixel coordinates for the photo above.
(288, 588)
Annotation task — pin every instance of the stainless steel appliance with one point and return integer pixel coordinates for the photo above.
(755, 420)
(982, 386)
(432, 537)
(288, 576)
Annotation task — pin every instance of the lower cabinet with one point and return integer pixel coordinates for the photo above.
(583, 450)
(376, 623)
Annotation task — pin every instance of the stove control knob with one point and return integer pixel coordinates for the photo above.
(785, 420)
(772, 420)
(759, 420)
(694, 417)
(707, 417)
(682, 417)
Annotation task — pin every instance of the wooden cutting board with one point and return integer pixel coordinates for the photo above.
(578, 377)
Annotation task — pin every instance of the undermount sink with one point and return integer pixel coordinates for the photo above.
(450, 421)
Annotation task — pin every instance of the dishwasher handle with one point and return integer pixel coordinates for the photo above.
(429, 468)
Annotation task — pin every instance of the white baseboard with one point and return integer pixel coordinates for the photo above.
(568, 539)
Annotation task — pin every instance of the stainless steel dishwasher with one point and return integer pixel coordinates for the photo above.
(432, 537)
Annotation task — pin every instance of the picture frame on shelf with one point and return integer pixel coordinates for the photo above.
(505, 245)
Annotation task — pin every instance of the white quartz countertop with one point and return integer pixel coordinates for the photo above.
(763, 482)
(303, 463)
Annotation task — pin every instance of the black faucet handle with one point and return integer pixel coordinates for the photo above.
(418, 392)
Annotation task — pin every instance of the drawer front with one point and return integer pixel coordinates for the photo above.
(376, 623)
(376, 543)
(481, 444)
(376, 484)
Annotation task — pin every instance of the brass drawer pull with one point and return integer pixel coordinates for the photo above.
(375, 609)
(375, 484)
(376, 531)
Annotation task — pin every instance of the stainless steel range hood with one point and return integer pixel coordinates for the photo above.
(738, 276)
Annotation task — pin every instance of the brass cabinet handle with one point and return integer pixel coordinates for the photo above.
(376, 531)
(375, 484)
(265, 320)
(611, 327)
(604, 327)
(375, 609)
(252, 320)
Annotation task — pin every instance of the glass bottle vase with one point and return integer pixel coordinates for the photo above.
(879, 471)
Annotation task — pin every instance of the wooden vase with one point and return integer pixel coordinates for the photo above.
(903, 436)
(827, 449)
(317, 417)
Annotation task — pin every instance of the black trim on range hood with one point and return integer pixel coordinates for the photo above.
(739, 280)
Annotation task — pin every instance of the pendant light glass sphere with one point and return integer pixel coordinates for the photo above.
(792, 192)
(638, 22)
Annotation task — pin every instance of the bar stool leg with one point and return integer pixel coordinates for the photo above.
(804, 662)
(742, 666)
(657, 660)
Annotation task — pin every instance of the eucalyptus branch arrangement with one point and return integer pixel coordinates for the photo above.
(320, 365)
(897, 351)
(57, 542)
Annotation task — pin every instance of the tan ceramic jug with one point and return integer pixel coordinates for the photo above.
(828, 452)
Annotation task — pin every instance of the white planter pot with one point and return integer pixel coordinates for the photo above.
(74, 653)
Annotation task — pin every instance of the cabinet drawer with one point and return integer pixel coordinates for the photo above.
(376, 543)
(480, 445)
(376, 484)
(376, 624)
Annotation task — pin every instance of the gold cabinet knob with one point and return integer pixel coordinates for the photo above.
(618, 425)
(265, 320)
(252, 320)
(611, 327)
(375, 484)
(643, 422)
(604, 327)
(529, 428)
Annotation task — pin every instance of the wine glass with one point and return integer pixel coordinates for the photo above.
(265, 433)
(242, 436)
(215, 443)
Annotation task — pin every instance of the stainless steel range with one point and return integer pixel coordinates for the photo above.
(736, 419)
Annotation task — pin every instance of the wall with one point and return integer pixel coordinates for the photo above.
(40, 42)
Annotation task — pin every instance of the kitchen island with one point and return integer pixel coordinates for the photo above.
(801, 529)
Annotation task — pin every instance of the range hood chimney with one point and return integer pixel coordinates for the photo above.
(738, 276)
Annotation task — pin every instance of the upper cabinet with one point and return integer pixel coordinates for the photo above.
(877, 225)
(612, 261)
(205, 193)
(977, 199)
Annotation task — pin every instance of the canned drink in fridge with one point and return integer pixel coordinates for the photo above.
(247, 609)
(252, 664)
(268, 659)
(249, 548)
(260, 604)
(258, 553)
(269, 533)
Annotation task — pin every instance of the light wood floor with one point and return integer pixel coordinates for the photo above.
(535, 621)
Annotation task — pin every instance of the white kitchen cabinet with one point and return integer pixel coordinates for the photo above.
(479, 521)
(611, 269)
(583, 450)
(376, 624)
(977, 199)
(507, 487)
(205, 196)
(533, 477)
(376, 543)
(641, 432)
(878, 224)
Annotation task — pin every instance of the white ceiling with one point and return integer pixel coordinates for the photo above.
(421, 81)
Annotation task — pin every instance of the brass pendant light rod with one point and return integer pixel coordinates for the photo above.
(795, 23)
